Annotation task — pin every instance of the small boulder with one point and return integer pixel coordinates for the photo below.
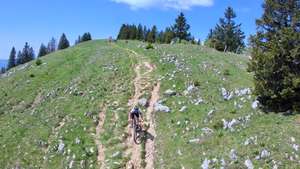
(170, 92)
(248, 163)
(183, 109)
(233, 155)
(205, 164)
(143, 102)
(161, 108)
(61, 146)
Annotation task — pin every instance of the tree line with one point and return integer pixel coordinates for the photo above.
(27, 54)
(179, 30)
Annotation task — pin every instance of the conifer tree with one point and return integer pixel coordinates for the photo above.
(168, 35)
(12, 59)
(86, 37)
(78, 40)
(26, 55)
(181, 28)
(51, 46)
(227, 35)
(276, 56)
(151, 37)
(2, 70)
(140, 33)
(63, 42)
(43, 50)
(19, 58)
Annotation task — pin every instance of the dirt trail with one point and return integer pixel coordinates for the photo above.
(99, 131)
(141, 83)
(150, 146)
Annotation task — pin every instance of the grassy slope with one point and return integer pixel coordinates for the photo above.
(28, 117)
(273, 131)
(26, 123)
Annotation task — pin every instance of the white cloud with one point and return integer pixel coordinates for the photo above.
(175, 4)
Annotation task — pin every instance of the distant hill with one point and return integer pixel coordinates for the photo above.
(72, 111)
(3, 63)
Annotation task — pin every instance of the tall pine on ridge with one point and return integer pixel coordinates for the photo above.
(42, 51)
(12, 59)
(181, 28)
(63, 42)
(227, 35)
(276, 56)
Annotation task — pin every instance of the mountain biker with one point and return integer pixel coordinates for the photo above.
(135, 112)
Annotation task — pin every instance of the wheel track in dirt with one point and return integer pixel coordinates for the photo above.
(100, 146)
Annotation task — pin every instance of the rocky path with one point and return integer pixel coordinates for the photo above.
(142, 82)
(99, 131)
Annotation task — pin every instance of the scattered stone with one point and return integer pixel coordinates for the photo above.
(116, 154)
(183, 109)
(226, 94)
(143, 102)
(210, 113)
(179, 152)
(158, 107)
(242, 92)
(61, 146)
(233, 155)
(207, 130)
(251, 140)
(77, 140)
(255, 104)
(230, 124)
(248, 163)
(295, 147)
(71, 164)
(264, 154)
(205, 164)
(196, 140)
(293, 139)
(170, 92)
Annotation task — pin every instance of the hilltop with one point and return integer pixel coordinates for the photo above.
(72, 110)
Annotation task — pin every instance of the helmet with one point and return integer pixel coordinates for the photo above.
(136, 108)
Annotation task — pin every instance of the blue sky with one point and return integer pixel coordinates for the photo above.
(37, 21)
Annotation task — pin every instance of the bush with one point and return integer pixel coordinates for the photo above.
(149, 46)
(38, 62)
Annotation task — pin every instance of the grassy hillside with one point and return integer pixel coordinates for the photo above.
(49, 113)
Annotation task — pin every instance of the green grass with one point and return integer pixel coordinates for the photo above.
(273, 130)
(64, 74)
(36, 100)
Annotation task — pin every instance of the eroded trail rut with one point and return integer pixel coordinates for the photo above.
(142, 83)
(99, 131)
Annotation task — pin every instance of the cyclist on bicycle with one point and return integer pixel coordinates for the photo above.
(135, 112)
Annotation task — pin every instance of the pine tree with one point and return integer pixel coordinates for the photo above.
(26, 55)
(78, 40)
(86, 37)
(2, 70)
(181, 28)
(43, 50)
(276, 56)
(121, 34)
(227, 35)
(12, 59)
(168, 35)
(19, 58)
(160, 37)
(145, 31)
(51, 46)
(63, 42)
(151, 37)
(132, 32)
(140, 32)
